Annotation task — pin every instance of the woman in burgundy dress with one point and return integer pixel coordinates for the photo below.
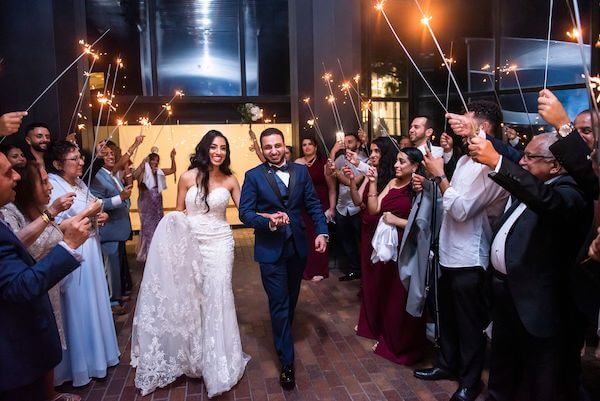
(382, 157)
(317, 264)
(402, 336)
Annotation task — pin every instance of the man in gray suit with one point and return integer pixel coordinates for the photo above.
(117, 230)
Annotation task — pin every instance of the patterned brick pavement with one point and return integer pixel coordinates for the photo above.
(332, 363)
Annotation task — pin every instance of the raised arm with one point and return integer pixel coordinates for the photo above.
(173, 168)
(122, 163)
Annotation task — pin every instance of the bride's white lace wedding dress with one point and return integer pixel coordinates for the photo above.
(185, 320)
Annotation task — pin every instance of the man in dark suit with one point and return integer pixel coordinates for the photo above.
(29, 341)
(117, 230)
(535, 244)
(273, 195)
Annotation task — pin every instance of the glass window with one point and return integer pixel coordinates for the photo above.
(197, 48)
(266, 47)
(391, 116)
(523, 44)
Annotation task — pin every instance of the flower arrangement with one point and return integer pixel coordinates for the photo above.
(250, 113)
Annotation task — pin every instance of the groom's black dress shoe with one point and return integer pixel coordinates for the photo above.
(286, 378)
(350, 276)
(434, 373)
(466, 393)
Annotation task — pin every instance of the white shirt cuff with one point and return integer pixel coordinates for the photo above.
(72, 251)
(447, 156)
(497, 169)
(116, 200)
(271, 226)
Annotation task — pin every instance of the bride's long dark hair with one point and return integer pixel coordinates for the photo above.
(201, 161)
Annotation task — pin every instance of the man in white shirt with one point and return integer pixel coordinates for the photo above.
(347, 214)
(471, 202)
(420, 134)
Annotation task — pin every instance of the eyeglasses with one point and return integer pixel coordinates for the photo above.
(76, 159)
(531, 157)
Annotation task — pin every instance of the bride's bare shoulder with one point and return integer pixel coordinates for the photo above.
(189, 176)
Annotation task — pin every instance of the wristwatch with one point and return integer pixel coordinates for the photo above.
(566, 129)
(438, 179)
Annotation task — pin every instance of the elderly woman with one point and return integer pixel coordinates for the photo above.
(89, 328)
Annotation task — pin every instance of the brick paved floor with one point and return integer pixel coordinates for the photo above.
(332, 363)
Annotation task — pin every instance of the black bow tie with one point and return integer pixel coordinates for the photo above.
(283, 168)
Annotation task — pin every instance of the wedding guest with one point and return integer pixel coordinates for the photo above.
(317, 264)
(347, 214)
(89, 328)
(38, 139)
(382, 157)
(33, 224)
(512, 137)
(402, 336)
(151, 181)
(289, 153)
(404, 142)
(15, 155)
(115, 198)
(29, 342)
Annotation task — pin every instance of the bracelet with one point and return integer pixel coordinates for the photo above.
(45, 217)
(372, 195)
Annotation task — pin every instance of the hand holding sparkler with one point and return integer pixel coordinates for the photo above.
(72, 137)
(462, 125)
(76, 230)
(10, 122)
(482, 151)
(551, 110)
(446, 142)
(434, 165)
(417, 182)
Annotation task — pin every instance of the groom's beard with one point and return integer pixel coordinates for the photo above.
(277, 162)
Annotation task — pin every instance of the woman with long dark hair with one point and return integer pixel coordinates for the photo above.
(185, 320)
(317, 264)
(382, 157)
(401, 336)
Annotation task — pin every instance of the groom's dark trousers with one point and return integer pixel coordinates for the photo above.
(281, 253)
(282, 281)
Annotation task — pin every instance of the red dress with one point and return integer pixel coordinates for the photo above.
(369, 319)
(317, 264)
(402, 336)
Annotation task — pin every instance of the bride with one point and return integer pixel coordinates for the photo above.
(185, 321)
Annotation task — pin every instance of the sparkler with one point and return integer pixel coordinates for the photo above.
(331, 99)
(177, 93)
(346, 87)
(379, 7)
(425, 21)
(548, 43)
(112, 91)
(513, 69)
(80, 98)
(448, 84)
(306, 100)
(87, 50)
(492, 77)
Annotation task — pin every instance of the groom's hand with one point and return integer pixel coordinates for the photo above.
(320, 243)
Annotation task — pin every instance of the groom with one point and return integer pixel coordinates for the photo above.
(273, 196)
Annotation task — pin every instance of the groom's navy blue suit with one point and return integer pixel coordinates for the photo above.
(281, 253)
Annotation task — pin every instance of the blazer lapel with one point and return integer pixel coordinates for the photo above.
(271, 180)
(293, 179)
(506, 215)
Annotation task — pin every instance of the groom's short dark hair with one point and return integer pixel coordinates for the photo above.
(269, 132)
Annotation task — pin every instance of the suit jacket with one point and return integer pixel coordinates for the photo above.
(504, 149)
(118, 225)
(259, 196)
(29, 341)
(542, 245)
(574, 155)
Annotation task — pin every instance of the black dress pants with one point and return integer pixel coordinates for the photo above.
(462, 318)
(348, 232)
(35, 391)
(522, 366)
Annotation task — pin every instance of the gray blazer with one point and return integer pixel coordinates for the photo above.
(118, 226)
(413, 256)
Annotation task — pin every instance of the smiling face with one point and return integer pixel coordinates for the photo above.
(583, 125)
(538, 161)
(375, 155)
(109, 158)
(418, 133)
(38, 138)
(153, 161)
(403, 166)
(273, 148)
(217, 152)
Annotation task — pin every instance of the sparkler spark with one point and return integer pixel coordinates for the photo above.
(379, 6)
(574, 34)
(486, 67)
(425, 20)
